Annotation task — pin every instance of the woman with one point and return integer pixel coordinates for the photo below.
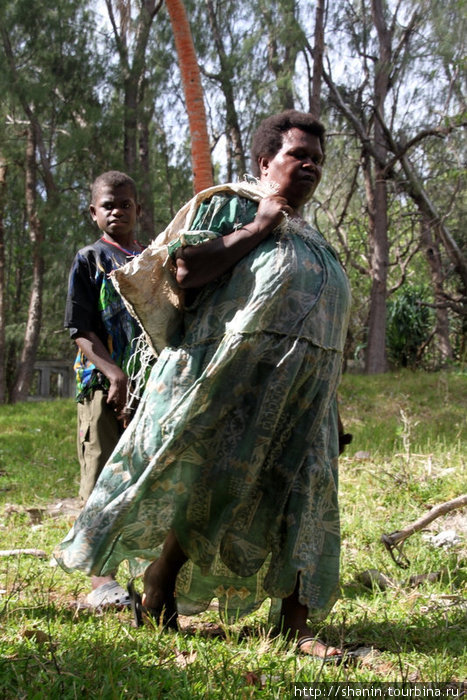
(226, 478)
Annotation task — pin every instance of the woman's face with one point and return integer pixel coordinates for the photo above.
(296, 169)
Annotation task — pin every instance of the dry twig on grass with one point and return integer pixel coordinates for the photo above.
(395, 540)
(16, 552)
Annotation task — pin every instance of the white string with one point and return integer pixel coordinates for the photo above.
(142, 357)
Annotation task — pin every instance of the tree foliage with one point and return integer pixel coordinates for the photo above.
(409, 326)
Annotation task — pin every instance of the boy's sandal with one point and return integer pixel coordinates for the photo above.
(107, 595)
(169, 617)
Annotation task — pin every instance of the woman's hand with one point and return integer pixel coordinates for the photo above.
(271, 212)
(198, 265)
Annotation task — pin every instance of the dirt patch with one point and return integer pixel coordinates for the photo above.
(66, 506)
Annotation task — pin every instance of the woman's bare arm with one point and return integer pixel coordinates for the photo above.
(198, 265)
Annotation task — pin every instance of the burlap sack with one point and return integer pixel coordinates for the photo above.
(147, 283)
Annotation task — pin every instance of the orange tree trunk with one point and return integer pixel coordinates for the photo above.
(191, 80)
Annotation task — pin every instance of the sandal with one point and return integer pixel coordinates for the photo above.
(108, 595)
(169, 615)
(328, 659)
(345, 658)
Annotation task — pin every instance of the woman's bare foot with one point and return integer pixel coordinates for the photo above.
(159, 582)
(159, 593)
(294, 625)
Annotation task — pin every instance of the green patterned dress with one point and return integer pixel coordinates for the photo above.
(234, 444)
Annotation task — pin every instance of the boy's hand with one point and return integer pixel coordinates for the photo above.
(92, 347)
(117, 395)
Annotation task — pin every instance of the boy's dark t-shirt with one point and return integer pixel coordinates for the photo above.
(93, 304)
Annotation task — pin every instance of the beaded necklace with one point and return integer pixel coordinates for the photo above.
(120, 247)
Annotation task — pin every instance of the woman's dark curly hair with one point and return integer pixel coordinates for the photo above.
(268, 137)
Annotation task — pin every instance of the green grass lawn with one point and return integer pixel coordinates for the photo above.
(408, 454)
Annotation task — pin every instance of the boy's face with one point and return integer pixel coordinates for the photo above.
(115, 210)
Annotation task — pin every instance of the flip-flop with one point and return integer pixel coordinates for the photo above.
(345, 658)
(328, 659)
(108, 595)
(169, 617)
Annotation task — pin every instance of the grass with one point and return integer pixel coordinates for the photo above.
(408, 453)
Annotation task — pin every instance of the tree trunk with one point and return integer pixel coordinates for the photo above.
(225, 79)
(3, 173)
(433, 257)
(375, 358)
(130, 129)
(191, 80)
(318, 53)
(147, 225)
(164, 154)
(31, 337)
(375, 353)
(13, 347)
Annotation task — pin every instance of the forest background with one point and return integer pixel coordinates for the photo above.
(94, 85)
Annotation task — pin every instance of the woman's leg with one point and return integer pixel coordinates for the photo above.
(294, 617)
(159, 579)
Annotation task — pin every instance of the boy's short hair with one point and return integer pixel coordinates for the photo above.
(112, 178)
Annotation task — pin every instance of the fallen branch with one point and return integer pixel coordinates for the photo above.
(16, 552)
(396, 539)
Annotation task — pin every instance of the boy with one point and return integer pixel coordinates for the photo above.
(103, 330)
